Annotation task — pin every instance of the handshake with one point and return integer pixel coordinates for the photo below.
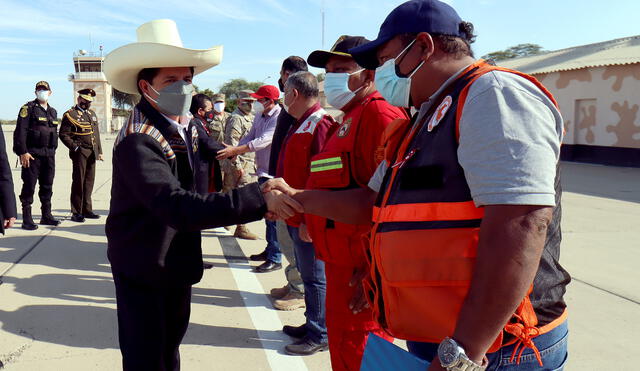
(279, 197)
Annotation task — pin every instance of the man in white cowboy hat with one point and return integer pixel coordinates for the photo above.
(155, 218)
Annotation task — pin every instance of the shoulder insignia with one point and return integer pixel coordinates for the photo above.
(344, 128)
(24, 111)
(309, 125)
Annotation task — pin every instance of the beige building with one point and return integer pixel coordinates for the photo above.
(88, 75)
(597, 87)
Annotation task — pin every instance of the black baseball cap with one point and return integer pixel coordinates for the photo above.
(415, 16)
(319, 58)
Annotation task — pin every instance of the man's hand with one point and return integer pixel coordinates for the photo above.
(280, 185)
(8, 223)
(303, 233)
(25, 158)
(239, 173)
(100, 157)
(359, 301)
(283, 206)
(229, 151)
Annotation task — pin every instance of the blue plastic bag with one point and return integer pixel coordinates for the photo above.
(381, 355)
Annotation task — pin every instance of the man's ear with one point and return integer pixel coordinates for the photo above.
(426, 43)
(144, 86)
(370, 75)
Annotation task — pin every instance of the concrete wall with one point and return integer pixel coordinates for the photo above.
(599, 105)
(101, 102)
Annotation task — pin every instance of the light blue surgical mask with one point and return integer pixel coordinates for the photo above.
(42, 95)
(175, 99)
(336, 88)
(395, 89)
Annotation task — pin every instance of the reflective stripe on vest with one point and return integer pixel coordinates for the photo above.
(437, 211)
(326, 164)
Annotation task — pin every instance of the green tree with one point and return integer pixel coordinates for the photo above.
(520, 50)
(321, 76)
(124, 101)
(208, 92)
(231, 88)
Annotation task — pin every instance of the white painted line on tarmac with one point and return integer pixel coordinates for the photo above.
(265, 320)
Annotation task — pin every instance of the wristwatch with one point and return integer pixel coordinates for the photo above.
(453, 358)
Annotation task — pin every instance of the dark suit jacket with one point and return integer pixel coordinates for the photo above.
(206, 159)
(153, 227)
(7, 197)
(285, 121)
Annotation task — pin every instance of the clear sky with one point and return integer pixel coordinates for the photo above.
(38, 38)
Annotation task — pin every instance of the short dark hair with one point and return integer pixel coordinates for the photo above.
(148, 74)
(198, 101)
(457, 46)
(294, 64)
(305, 83)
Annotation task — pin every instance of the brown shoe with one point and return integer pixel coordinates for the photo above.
(280, 292)
(291, 301)
(243, 232)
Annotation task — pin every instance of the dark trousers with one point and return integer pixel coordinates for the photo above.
(151, 324)
(84, 174)
(41, 169)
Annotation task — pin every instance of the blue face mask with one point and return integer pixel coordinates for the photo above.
(336, 88)
(395, 89)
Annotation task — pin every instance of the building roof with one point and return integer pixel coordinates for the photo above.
(613, 52)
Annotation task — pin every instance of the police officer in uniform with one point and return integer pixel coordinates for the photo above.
(35, 141)
(79, 132)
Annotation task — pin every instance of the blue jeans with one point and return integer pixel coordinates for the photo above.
(552, 347)
(315, 286)
(274, 253)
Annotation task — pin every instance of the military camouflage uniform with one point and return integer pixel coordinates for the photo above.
(238, 125)
(217, 126)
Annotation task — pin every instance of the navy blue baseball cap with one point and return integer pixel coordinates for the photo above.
(415, 16)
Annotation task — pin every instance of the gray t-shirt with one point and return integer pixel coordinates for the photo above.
(510, 135)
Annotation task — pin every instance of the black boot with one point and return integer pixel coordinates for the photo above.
(47, 218)
(27, 220)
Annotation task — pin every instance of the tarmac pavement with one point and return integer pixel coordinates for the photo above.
(57, 302)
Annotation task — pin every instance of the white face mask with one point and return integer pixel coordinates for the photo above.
(218, 107)
(395, 89)
(258, 108)
(42, 95)
(336, 88)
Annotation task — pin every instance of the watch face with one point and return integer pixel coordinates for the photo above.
(448, 352)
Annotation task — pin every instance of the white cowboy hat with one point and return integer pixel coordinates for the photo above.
(159, 45)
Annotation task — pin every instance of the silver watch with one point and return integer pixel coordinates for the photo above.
(453, 358)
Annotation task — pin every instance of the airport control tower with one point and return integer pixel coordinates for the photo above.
(88, 74)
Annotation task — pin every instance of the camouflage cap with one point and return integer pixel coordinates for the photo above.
(246, 94)
(42, 84)
(220, 97)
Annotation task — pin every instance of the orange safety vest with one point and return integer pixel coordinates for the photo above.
(424, 241)
(335, 242)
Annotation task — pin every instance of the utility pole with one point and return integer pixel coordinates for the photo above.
(322, 13)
